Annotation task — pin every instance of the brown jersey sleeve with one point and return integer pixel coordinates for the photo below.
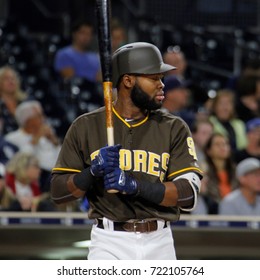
(183, 156)
(71, 156)
(70, 161)
(63, 189)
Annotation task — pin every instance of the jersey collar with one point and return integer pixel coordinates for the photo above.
(128, 124)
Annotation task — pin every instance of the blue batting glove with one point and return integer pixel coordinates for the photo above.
(121, 181)
(106, 160)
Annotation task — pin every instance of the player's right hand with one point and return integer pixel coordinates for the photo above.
(120, 181)
(106, 160)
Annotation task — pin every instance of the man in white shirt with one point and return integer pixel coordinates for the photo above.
(35, 136)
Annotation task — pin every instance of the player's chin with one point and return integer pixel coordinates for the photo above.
(154, 105)
(158, 104)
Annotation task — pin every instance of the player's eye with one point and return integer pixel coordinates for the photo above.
(156, 77)
(153, 77)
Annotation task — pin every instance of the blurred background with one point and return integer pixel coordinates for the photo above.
(217, 38)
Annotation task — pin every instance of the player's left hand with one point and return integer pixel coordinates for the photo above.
(121, 181)
(106, 160)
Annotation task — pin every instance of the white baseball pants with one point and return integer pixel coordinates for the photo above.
(108, 244)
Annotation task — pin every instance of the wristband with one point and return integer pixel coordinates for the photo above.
(84, 179)
(153, 192)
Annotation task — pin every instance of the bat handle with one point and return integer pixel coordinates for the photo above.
(112, 191)
(110, 136)
(109, 121)
(110, 140)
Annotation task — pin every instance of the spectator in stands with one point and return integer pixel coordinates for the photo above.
(11, 95)
(224, 120)
(177, 99)
(252, 148)
(250, 69)
(246, 199)
(20, 189)
(202, 130)
(174, 56)
(77, 59)
(7, 149)
(37, 137)
(7, 198)
(22, 175)
(219, 174)
(118, 34)
(248, 90)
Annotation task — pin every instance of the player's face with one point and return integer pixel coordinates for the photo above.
(147, 92)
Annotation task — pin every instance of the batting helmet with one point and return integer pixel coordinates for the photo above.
(137, 58)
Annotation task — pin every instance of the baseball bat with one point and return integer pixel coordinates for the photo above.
(104, 43)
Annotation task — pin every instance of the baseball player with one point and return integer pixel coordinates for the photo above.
(152, 169)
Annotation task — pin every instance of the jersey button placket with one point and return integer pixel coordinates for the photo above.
(130, 137)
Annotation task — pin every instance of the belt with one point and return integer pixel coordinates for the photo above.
(141, 226)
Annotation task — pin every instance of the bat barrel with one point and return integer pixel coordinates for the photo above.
(103, 17)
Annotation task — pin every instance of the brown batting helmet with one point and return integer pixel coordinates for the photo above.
(137, 58)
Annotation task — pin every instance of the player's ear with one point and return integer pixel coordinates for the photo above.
(128, 80)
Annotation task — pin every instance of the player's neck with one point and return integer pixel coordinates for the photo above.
(129, 111)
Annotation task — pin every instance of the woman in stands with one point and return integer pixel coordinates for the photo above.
(22, 177)
(226, 122)
(219, 179)
(11, 95)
